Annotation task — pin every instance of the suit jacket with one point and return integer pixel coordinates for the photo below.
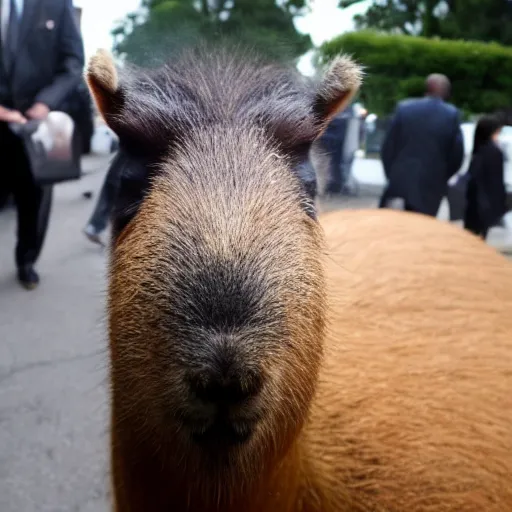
(336, 129)
(50, 57)
(422, 150)
(486, 193)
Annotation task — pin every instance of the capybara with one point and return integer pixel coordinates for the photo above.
(262, 360)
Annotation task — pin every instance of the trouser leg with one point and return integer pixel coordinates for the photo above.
(100, 216)
(384, 198)
(334, 176)
(346, 173)
(33, 203)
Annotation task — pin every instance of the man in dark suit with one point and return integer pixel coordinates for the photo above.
(41, 63)
(423, 149)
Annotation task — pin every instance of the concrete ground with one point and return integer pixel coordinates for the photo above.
(53, 400)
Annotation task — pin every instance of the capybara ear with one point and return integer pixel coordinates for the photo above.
(103, 83)
(339, 85)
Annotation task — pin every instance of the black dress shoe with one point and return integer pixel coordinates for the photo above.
(28, 277)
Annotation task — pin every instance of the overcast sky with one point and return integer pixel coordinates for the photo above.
(99, 16)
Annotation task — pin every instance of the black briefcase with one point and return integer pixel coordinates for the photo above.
(50, 148)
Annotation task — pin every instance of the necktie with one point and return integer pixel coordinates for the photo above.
(11, 38)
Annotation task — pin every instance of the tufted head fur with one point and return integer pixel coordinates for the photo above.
(216, 296)
(154, 111)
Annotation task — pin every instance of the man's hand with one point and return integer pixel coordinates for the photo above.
(38, 111)
(11, 116)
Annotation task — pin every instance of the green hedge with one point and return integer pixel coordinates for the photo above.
(397, 66)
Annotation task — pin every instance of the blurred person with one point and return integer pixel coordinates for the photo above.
(423, 148)
(99, 220)
(41, 63)
(341, 150)
(486, 196)
(79, 106)
(5, 198)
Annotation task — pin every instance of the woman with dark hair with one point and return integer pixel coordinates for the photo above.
(486, 194)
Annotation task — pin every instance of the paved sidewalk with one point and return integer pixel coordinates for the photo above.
(53, 360)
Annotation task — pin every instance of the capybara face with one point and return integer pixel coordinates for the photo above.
(216, 295)
(225, 307)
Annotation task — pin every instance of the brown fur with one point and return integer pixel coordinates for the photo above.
(156, 467)
(415, 391)
(402, 404)
(335, 94)
(102, 79)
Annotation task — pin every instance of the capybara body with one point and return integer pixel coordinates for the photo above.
(415, 387)
(262, 360)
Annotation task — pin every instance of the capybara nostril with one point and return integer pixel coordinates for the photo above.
(224, 385)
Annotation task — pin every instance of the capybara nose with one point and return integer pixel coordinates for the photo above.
(225, 386)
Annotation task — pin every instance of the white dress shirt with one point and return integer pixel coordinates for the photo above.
(6, 7)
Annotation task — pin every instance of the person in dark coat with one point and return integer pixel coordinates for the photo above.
(333, 140)
(486, 195)
(423, 148)
(41, 63)
(79, 106)
(100, 217)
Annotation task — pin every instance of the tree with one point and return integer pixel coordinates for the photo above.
(164, 26)
(410, 17)
(399, 64)
(481, 20)
(490, 20)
